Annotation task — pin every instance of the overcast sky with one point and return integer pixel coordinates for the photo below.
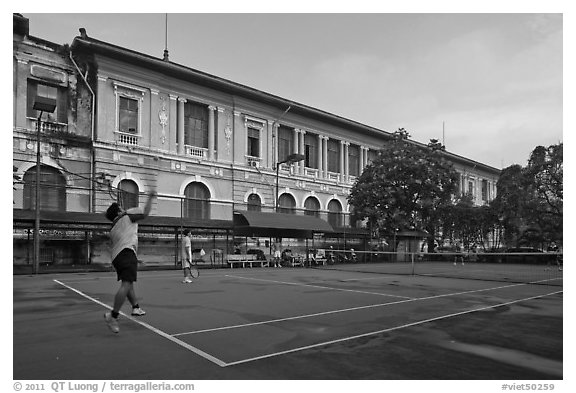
(489, 85)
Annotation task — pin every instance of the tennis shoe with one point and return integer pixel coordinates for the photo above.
(111, 322)
(187, 280)
(138, 312)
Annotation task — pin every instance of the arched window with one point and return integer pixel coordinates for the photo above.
(254, 203)
(52, 189)
(286, 204)
(197, 202)
(312, 207)
(128, 194)
(335, 214)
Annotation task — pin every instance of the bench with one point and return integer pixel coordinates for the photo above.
(319, 258)
(244, 259)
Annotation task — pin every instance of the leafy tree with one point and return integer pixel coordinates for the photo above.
(467, 223)
(545, 176)
(511, 201)
(530, 199)
(545, 171)
(404, 186)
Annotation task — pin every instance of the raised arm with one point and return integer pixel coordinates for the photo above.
(151, 196)
(147, 208)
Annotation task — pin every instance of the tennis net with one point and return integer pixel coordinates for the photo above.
(533, 268)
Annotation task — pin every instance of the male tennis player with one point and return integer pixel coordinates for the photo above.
(124, 236)
(187, 256)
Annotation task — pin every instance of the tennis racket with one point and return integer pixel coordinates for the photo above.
(194, 272)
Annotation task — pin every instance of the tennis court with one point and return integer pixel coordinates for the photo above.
(339, 322)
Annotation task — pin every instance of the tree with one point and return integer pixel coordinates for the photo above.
(530, 199)
(468, 223)
(545, 176)
(404, 186)
(511, 201)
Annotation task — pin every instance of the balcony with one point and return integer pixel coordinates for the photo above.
(332, 176)
(200, 153)
(48, 127)
(127, 139)
(311, 172)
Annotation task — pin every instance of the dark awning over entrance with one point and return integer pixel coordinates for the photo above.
(251, 223)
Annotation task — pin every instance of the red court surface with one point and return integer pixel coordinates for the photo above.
(289, 324)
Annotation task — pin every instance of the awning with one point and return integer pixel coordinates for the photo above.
(252, 223)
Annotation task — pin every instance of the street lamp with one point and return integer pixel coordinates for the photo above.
(42, 104)
(292, 158)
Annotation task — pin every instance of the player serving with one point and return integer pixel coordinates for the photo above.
(124, 237)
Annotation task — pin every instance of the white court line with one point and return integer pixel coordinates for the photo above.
(407, 300)
(386, 330)
(151, 328)
(177, 275)
(317, 286)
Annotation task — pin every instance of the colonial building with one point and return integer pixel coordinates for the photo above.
(127, 123)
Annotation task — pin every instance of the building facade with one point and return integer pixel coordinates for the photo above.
(127, 123)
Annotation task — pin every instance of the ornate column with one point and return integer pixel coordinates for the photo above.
(302, 164)
(325, 157)
(320, 158)
(346, 162)
(275, 129)
(211, 132)
(181, 102)
(173, 123)
(342, 170)
(295, 141)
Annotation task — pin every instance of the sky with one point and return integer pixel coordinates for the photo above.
(489, 85)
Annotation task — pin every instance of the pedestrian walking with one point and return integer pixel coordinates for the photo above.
(187, 256)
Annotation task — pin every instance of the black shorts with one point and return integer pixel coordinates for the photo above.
(126, 265)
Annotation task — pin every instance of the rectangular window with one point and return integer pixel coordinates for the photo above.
(196, 125)
(372, 155)
(333, 156)
(471, 188)
(253, 142)
(285, 142)
(354, 160)
(484, 190)
(311, 150)
(128, 115)
(56, 93)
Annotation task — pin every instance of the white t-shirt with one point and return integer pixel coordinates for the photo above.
(186, 244)
(124, 233)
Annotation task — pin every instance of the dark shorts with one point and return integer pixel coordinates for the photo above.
(126, 265)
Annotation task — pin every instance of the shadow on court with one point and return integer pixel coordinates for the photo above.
(289, 324)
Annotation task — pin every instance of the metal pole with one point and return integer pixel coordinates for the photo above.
(37, 203)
